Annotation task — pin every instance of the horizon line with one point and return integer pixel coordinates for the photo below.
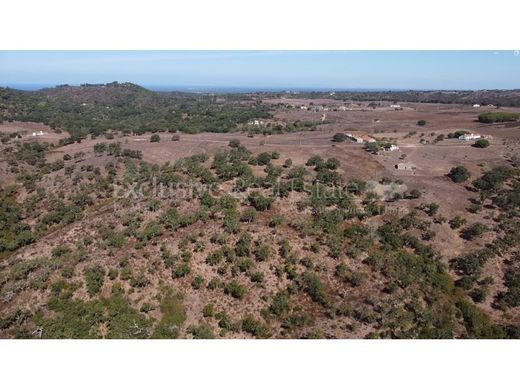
(34, 87)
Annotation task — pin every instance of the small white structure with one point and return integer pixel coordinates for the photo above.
(256, 122)
(405, 167)
(395, 106)
(37, 134)
(392, 148)
(303, 108)
(469, 137)
(476, 105)
(342, 108)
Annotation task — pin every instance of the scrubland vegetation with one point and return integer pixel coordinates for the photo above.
(252, 242)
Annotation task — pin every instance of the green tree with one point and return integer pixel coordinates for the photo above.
(339, 137)
(481, 143)
(459, 174)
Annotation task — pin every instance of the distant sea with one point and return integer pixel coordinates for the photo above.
(208, 89)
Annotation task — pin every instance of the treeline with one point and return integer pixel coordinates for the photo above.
(507, 98)
(492, 117)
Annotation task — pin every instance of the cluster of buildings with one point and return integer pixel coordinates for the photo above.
(38, 133)
(478, 106)
(360, 139)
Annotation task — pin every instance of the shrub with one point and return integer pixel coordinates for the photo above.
(202, 331)
(235, 289)
(181, 270)
(511, 297)
(313, 161)
(155, 138)
(339, 137)
(208, 310)
(431, 209)
(259, 202)
(421, 122)
(473, 231)
(264, 158)
(243, 245)
(214, 257)
(481, 143)
(254, 327)
(94, 278)
(459, 174)
(262, 252)
(332, 163)
(414, 194)
(197, 282)
(316, 289)
(280, 304)
(457, 221)
(249, 215)
(493, 179)
(276, 220)
(234, 143)
(176, 137)
(139, 280)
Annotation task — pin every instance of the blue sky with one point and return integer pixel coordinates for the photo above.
(267, 69)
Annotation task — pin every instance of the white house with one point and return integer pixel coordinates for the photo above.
(303, 108)
(365, 138)
(36, 134)
(469, 137)
(395, 106)
(392, 148)
(476, 105)
(256, 122)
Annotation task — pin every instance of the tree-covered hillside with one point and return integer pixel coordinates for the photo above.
(94, 109)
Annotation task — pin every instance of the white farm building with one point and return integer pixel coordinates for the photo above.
(469, 137)
(392, 148)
